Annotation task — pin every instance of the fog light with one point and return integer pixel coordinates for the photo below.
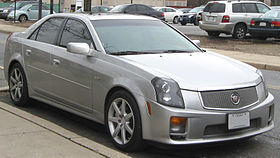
(271, 110)
(178, 124)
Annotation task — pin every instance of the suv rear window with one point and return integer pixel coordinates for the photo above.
(215, 8)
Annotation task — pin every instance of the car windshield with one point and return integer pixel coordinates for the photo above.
(195, 10)
(272, 14)
(17, 5)
(140, 36)
(118, 8)
(25, 7)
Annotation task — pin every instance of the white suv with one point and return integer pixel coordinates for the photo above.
(230, 17)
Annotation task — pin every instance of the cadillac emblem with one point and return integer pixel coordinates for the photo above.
(235, 98)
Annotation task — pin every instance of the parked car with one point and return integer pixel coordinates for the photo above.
(190, 17)
(275, 7)
(4, 12)
(29, 12)
(268, 25)
(230, 17)
(185, 10)
(140, 77)
(139, 9)
(96, 9)
(170, 14)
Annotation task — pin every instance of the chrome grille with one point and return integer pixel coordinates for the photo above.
(222, 99)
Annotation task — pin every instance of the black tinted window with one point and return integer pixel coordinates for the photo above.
(49, 30)
(250, 8)
(142, 8)
(75, 31)
(131, 8)
(237, 8)
(215, 8)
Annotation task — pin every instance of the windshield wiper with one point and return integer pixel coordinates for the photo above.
(177, 51)
(131, 52)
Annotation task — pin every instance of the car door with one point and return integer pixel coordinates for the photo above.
(33, 12)
(71, 75)
(36, 52)
(45, 11)
(143, 10)
(170, 13)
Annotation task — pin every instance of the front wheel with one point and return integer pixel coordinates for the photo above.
(18, 85)
(123, 123)
(22, 18)
(175, 20)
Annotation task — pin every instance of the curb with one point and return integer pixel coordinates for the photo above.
(66, 134)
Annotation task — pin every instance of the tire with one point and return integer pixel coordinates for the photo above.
(240, 31)
(22, 18)
(213, 33)
(196, 22)
(18, 85)
(176, 20)
(124, 124)
(183, 23)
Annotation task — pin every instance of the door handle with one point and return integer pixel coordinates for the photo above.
(28, 52)
(56, 62)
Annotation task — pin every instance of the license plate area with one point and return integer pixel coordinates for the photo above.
(262, 23)
(239, 120)
(211, 18)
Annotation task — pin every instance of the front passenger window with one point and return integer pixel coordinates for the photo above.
(75, 31)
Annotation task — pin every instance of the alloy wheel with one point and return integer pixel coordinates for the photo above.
(16, 84)
(121, 121)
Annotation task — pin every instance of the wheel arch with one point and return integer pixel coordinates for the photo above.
(23, 14)
(239, 23)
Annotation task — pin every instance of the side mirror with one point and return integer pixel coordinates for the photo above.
(78, 48)
(197, 42)
(28, 9)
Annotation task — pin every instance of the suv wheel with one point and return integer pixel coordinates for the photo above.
(240, 31)
(213, 33)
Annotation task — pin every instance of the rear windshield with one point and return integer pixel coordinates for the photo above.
(215, 7)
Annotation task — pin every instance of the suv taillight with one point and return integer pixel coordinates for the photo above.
(252, 23)
(275, 24)
(162, 14)
(225, 19)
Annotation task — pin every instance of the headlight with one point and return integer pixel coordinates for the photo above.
(168, 92)
(263, 81)
(5, 11)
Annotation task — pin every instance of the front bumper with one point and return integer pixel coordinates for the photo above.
(4, 15)
(187, 19)
(221, 27)
(205, 126)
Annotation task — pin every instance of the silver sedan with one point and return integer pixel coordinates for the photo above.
(140, 77)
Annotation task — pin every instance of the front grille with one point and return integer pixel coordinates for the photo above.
(222, 99)
(222, 129)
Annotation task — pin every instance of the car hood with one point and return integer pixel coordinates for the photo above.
(198, 71)
(189, 14)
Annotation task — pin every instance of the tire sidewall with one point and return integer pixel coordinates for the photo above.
(237, 27)
(25, 97)
(136, 140)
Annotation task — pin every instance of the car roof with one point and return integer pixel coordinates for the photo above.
(104, 16)
(234, 1)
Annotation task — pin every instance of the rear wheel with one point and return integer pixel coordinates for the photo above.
(176, 20)
(240, 31)
(213, 33)
(196, 22)
(122, 119)
(18, 85)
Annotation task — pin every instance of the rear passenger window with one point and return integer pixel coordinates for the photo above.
(142, 8)
(49, 30)
(75, 31)
(131, 8)
(250, 8)
(262, 8)
(237, 8)
(215, 8)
